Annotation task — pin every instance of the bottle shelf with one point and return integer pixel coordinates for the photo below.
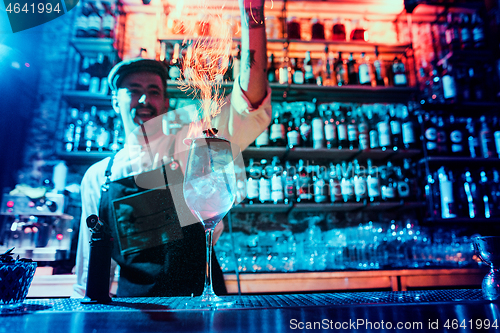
(326, 207)
(462, 161)
(468, 56)
(92, 46)
(331, 155)
(462, 220)
(84, 157)
(76, 97)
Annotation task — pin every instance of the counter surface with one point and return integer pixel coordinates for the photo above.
(461, 310)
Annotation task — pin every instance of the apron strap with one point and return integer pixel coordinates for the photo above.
(107, 173)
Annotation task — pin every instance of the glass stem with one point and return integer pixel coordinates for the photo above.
(209, 291)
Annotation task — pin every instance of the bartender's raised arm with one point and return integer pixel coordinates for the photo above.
(253, 72)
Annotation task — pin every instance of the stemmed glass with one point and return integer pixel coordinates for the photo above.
(209, 191)
(487, 249)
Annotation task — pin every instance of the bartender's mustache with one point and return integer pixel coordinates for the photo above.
(143, 106)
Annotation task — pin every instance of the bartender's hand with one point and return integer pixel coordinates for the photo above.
(253, 73)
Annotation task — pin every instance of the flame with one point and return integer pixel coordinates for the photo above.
(204, 66)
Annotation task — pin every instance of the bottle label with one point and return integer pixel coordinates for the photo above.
(342, 132)
(364, 74)
(304, 190)
(456, 139)
(347, 187)
(486, 141)
(388, 192)
(293, 138)
(335, 190)
(276, 183)
(431, 134)
(174, 73)
(264, 189)
(352, 132)
(277, 132)
(363, 127)
(283, 75)
(449, 87)
(108, 23)
(305, 130)
(465, 35)
(373, 185)
(320, 191)
(395, 127)
(400, 80)
(330, 132)
(81, 23)
(374, 139)
(403, 189)
(408, 134)
(94, 24)
(252, 188)
(317, 129)
(477, 34)
(262, 139)
(290, 189)
(363, 141)
(447, 202)
(383, 134)
(298, 77)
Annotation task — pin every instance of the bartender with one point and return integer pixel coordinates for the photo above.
(174, 267)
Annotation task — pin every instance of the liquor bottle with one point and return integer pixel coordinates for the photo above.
(308, 69)
(277, 195)
(69, 133)
(352, 130)
(477, 82)
(410, 178)
(320, 184)
(478, 37)
(331, 140)
(335, 178)
(363, 131)
(94, 22)
(264, 183)
(441, 137)
(448, 209)
(96, 74)
(359, 181)
(495, 192)
(277, 136)
(285, 69)
(485, 190)
(90, 130)
(399, 71)
(254, 173)
(340, 72)
(403, 186)
(263, 139)
(237, 62)
(430, 134)
(290, 180)
(378, 70)
(317, 29)
(448, 81)
(81, 22)
(108, 20)
(338, 30)
(409, 130)
(328, 76)
(384, 132)
(373, 182)
(304, 183)
(352, 74)
(486, 139)
(496, 135)
(452, 33)
(389, 185)
(472, 139)
(347, 185)
(83, 81)
(432, 194)
(396, 129)
(436, 88)
(318, 136)
(271, 71)
(297, 72)
(293, 28)
(471, 193)
(457, 135)
(364, 71)
(175, 64)
(305, 128)
(293, 134)
(372, 128)
(358, 33)
(342, 130)
(466, 40)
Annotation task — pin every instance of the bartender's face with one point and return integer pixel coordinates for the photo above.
(140, 97)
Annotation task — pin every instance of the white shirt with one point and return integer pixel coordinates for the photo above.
(238, 122)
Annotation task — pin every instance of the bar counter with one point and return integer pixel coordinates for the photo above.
(462, 310)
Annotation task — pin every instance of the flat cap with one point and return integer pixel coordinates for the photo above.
(126, 67)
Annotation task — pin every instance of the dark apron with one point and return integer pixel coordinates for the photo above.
(174, 268)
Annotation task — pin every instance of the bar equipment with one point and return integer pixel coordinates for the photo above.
(488, 250)
(210, 191)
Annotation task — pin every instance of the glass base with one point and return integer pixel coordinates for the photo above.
(209, 302)
(491, 285)
(10, 306)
